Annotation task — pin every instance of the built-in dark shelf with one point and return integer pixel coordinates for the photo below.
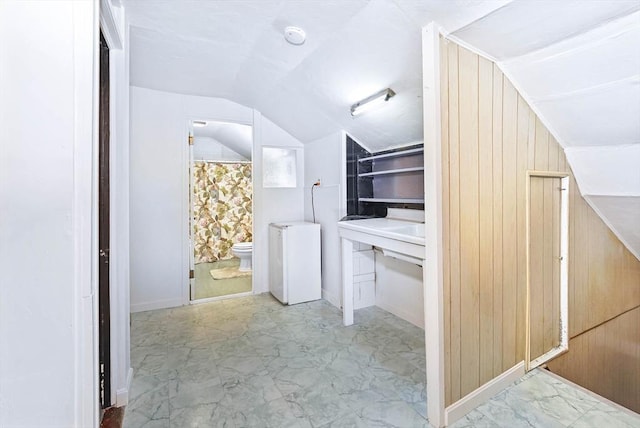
(388, 179)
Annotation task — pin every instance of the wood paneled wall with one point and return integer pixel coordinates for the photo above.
(606, 360)
(490, 138)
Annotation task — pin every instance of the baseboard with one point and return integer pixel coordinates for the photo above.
(483, 394)
(401, 313)
(122, 395)
(158, 304)
(331, 298)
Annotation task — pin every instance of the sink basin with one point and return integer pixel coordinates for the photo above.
(412, 230)
(399, 230)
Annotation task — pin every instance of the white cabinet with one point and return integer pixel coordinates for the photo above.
(294, 262)
(364, 276)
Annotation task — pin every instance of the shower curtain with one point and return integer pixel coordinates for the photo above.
(222, 212)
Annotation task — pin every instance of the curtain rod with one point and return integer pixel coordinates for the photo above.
(221, 161)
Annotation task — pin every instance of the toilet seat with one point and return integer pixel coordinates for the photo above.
(244, 251)
(243, 246)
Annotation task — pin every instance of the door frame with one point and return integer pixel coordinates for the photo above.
(190, 283)
(564, 268)
(110, 20)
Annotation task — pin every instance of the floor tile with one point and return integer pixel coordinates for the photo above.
(320, 403)
(274, 414)
(253, 362)
(603, 415)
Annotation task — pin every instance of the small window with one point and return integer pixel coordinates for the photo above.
(279, 167)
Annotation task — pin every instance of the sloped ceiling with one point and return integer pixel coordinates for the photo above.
(576, 62)
(236, 50)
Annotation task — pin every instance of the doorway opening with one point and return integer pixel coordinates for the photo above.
(221, 208)
(547, 273)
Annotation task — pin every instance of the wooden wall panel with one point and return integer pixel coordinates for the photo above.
(469, 227)
(490, 138)
(509, 262)
(497, 169)
(485, 219)
(454, 221)
(606, 360)
(444, 117)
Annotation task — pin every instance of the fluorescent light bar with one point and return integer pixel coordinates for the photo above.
(199, 123)
(372, 101)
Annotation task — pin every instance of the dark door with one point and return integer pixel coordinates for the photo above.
(104, 348)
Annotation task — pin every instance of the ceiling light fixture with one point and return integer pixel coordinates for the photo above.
(372, 101)
(295, 35)
(199, 123)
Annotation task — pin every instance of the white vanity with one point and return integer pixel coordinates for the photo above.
(398, 238)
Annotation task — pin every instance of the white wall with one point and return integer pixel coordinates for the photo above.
(159, 192)
(207, 148)
(47, 283)
(272, 204)
(609, 180)
(325, 160)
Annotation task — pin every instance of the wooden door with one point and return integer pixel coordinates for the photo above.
(104, 346)
(545, 258)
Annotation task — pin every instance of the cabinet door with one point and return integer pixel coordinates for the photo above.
(276, 264)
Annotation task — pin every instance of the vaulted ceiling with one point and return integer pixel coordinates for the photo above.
(576, 62)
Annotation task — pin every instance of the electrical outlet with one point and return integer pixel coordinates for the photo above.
(318, 182)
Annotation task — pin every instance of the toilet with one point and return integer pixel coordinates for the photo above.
(243, 250)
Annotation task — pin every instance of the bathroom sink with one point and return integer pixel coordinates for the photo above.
(400, 239)
(412, 230)
(398, 230)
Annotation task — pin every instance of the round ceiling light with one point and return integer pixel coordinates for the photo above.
(295, 35)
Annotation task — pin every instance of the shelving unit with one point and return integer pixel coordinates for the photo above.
(393, 154)
(392, 178)
(391, 171)
(394, 200)
(377, 181)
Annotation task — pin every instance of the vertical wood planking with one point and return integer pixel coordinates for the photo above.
(509, 224)
(547, 293)
(454, 223)
(536, 257)
(594, 280)
(581, 259)
(497, 220)
(522, 140)
(490, 138)
(553, 150)
(554, 339)
(469, 222)
(485, 171)
(446, 245)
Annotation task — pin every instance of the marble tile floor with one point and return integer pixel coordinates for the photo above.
(540, 399)
(252, 362)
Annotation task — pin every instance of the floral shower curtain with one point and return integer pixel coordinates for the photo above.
(221, 209)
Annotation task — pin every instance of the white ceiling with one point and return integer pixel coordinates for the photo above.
(236, 50)
(576, 62)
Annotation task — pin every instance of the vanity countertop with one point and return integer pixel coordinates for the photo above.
(400, 230)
